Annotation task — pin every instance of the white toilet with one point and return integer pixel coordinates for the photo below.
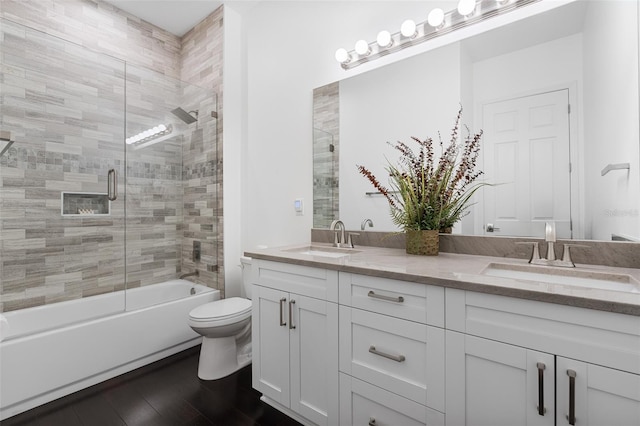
(225, 326)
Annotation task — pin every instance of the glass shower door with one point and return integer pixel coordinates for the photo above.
(171, 168)
(62, 234)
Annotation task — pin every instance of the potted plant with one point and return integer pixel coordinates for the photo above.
(428, 195)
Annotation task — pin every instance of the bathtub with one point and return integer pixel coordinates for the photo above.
(50, 351)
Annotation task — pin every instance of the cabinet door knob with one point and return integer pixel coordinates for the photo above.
(283, 323)
(372, 421)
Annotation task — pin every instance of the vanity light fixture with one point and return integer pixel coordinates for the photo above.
(362, 48)
(150, 134)
(438, 23)
(436, 18)
(409, 29)
(384, 39)
(343, 56)
(466, 8)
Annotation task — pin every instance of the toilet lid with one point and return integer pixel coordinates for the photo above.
(223, 308)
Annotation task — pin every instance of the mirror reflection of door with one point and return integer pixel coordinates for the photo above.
(526, 145)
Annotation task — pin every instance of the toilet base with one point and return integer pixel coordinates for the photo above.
(219, 358)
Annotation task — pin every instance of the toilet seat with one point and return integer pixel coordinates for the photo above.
(222, 311)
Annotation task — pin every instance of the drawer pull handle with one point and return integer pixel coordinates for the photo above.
(398, 299)
(372, 421)
(283, 323)
(541, 368)
(291, 326)
(572, 397)
(396, 358)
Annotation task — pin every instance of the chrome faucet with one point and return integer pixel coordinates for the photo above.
(364, 224)
(550, 238)
(337, 240)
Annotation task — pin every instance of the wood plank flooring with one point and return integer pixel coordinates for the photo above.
(165, 393)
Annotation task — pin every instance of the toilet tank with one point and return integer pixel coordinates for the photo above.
(245, 263)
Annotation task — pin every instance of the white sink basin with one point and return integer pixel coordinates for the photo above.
(321, 251)
(567, 276)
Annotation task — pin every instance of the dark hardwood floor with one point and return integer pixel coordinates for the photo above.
(167, 392)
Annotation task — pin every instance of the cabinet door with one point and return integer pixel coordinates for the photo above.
(600, 396)
(270, 334)
(314, 359)
(491, 383)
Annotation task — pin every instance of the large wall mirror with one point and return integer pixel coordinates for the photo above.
(556, 96)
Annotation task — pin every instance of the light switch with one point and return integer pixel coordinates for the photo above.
(298, 204)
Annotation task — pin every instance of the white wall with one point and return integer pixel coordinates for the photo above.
(234, 143)
(614, 199)
(392, 113)
(290, 51)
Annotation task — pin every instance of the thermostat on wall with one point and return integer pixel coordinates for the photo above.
(298, 204)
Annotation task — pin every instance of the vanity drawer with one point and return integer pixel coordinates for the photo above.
(598, 337)
(304, 280)
(404, 357)
(412, 301)
(362, 404)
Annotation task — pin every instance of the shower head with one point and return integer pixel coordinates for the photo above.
(185, 116)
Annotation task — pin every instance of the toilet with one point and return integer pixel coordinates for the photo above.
(225, 326)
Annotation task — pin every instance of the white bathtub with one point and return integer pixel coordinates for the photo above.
(50, 351)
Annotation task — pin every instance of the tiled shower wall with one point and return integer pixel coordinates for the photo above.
(202, 62)
(55, 258)
(326, 144)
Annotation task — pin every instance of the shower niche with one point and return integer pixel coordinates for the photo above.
(85, 204)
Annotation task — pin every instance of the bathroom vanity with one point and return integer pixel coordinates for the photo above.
(375, 336)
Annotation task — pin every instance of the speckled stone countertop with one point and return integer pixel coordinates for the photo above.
(465, 272)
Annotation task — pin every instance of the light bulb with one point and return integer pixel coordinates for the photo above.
(342, 56)
(362, 48)
(466, 7)
(408, 29)
(384, 39)
(436, 17)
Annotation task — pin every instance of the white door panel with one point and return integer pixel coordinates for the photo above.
(526, 156)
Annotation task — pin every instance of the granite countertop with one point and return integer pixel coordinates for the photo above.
(465, 272)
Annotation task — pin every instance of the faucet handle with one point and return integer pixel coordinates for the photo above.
(566, 253)
(535, 253)
(350, 241)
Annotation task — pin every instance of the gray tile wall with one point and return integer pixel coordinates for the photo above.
(67, 120)
(326, 154)
(202, 62)
(68, 133)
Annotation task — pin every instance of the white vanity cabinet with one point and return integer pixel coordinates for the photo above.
(295, 340)
(391, 352)
(339, 348)
(508, 357)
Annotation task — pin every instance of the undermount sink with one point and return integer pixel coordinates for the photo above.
(331, 252)
(567, 276)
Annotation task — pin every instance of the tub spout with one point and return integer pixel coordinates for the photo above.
(196, 273)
